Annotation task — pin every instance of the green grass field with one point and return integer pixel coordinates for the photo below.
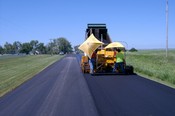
(15, 70)
(154, 65)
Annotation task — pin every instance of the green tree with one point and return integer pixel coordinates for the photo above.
(49, 48)
(26, 48)
(133, 50)
(63, 45)
(41, 48)
(17, 46)
(76, 49)
(8, 48)
(34, 45)
(1, 50)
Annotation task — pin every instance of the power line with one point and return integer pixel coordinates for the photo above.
(166, 28)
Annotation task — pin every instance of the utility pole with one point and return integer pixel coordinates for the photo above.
(166, 28)
(51, 52)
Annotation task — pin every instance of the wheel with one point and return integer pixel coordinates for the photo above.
(129, 69)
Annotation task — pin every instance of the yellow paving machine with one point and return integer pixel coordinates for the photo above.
(100, 52)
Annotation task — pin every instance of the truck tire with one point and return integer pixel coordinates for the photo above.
(129, 69)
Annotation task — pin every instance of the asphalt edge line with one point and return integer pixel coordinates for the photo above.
(86, 84)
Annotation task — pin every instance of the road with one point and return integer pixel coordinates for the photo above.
(62, 90)
(131, 96)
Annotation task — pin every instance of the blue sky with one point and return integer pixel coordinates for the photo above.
(140, 23)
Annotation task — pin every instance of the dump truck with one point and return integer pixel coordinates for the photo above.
(100, 52)
(100, 32)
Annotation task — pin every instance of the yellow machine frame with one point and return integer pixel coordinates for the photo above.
(105, 60)
(85, 67)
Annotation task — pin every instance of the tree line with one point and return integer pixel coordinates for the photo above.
(55, 46)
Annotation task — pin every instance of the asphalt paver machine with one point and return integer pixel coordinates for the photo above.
(98, 54)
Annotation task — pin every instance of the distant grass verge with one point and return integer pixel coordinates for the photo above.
(16, 70)
(154, 65)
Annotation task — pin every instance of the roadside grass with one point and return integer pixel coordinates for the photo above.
(154, 65)
(14, 70)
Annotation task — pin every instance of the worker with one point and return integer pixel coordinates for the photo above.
(114, 52)
(119, 61)
(93, 61)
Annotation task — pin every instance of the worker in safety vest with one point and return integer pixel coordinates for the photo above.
(120, 59)
(93, 61)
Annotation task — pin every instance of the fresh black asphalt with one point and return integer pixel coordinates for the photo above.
(62, 90)
(59, 90)
(130, 96)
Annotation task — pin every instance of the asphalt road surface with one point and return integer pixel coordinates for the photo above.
(62, 90)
